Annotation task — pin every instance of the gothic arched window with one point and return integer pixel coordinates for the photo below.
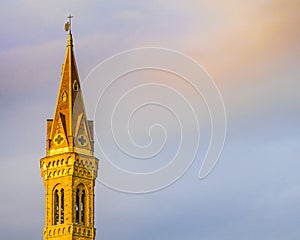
(62, 206)
(75, 86)
(58, 206)
(64, 96)
(80, 205)
(77, 206)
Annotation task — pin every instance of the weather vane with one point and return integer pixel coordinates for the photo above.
(68, 24)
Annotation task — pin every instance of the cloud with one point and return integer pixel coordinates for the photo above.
(242, 35)
(130, 15)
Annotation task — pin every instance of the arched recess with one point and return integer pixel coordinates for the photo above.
(81, 203)
(58, 204)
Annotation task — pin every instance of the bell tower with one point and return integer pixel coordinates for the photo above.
(69, 169)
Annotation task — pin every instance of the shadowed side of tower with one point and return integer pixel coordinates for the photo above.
(69, 169)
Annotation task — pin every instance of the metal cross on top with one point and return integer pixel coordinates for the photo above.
(68, 24)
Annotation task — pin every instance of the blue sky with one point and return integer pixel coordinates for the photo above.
(250, 48)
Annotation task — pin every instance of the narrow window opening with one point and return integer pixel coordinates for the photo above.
(77, 206)
(82, 206)
(64, 96)
(56, 207)
(62, 207)
(75, 86)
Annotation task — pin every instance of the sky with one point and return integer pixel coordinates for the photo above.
(249, 48)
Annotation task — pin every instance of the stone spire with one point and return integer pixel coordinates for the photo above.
(69, 131)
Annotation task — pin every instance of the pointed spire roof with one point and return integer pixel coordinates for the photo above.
(69, 131)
